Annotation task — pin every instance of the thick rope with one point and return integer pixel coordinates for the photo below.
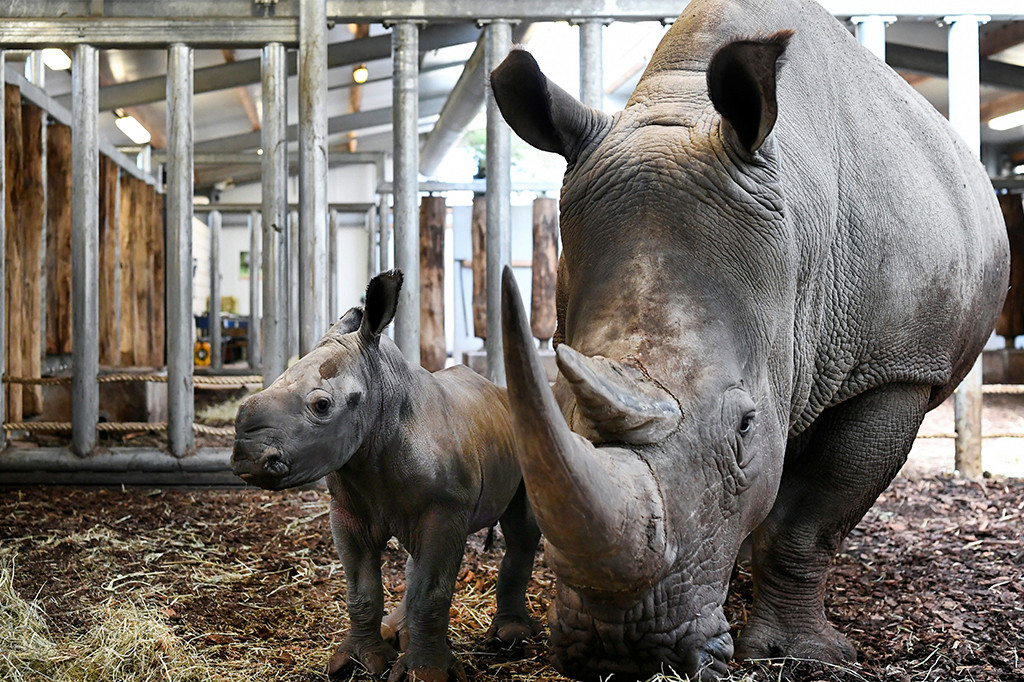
(200, 380)
(115, 427)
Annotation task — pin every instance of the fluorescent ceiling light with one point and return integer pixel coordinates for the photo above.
(1008, 121)
(55, 58)
(133, 129)
(360, 74)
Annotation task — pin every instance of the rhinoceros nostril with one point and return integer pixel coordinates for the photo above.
(275, 466)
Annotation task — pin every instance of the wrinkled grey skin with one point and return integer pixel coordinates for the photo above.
(427, 458)
(776, 259)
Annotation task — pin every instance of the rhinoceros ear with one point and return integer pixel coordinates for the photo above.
(381, 303)
(741, 84)
(540, 112)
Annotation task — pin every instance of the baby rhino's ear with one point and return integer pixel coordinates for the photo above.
(381, 303)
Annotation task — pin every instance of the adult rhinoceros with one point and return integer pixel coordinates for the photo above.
(776, 259)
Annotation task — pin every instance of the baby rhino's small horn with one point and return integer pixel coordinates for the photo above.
(618, 402)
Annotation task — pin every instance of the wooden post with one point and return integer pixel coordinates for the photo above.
(58, 239)
(143, 275)
(30, 223)
(1011, 320)
(110, 350)
(545, 268)
(480, 266)
(433, 213)
(129, 304)
(15, 286)
(157, 320)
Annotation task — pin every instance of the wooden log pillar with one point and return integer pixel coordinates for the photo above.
(58, 239)
(480, 266)
(155, 245)
(1011, 320)
(545, 269)
(141, 260)
(433, 214)
(32, 214)
(127, 217)
(15, 286)
(110, 349)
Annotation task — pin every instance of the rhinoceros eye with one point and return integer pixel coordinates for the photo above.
(322, 405)
(746, 423)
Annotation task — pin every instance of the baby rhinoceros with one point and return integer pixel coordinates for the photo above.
(426, 458)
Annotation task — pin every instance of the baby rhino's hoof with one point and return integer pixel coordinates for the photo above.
(375, 657)
(426, 673)
(510, 631)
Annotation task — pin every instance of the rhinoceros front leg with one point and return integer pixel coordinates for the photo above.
(853, 453)
(365, 597)
(430, 574)
(512, 623)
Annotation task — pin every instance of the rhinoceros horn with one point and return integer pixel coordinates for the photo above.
(599, 508)
(618, 402)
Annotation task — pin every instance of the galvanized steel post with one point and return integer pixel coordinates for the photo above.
(312, 171)
(180, 324)
(406, 53)
(964, 102)
(293, 279)
(332, 268)
(871, 32)
(384, 230)
(591, 63)
(255, 341)
(371, 243)
(274, 80)
(216, 353)
(498, 39)
(85, 236)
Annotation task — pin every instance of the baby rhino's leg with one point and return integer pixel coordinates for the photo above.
(394, 630)
(512, 623)
(430, 576)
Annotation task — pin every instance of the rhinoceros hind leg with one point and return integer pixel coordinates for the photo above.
(512, 623)
(831, 477)
(393, 630)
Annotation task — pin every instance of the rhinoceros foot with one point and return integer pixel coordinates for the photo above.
(512, 630)
(763, 638)
(401, 671)
(375, 656)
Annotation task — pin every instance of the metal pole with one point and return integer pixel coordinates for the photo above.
(293, 285)
(216, 352)
(85, 242)
(3, 254)
(35, 70)
(499, 196)
(384, 221)
(312, 170)
(964, 100)
(255, 342)
(405, 51)
(871, 32)
(591, 63)
(371, 243)
(332, 267)
(275, 212)
(180, 324)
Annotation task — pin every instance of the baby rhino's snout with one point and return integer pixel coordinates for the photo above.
(255, 458)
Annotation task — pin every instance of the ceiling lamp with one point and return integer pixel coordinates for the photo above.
(130, 126)
(56, 59)
(1008, 121)
(360, 74)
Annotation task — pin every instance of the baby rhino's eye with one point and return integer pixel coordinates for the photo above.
(322, 405)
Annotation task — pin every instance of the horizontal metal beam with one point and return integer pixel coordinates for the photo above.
(107, 32)
(131, 466)
(252, 158)
(935, 63)
(62, 114)
(245, 207)
(475, 186)
(247, 71)
(336, 125)
(195, 9)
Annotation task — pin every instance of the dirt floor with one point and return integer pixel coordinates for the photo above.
(245, 585)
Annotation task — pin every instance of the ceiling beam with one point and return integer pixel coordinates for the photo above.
(1007, 104)
(247, 71)
(935, 63)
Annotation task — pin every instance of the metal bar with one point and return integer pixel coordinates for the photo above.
(964, 101)
(499, 196)
(405, 36)
(871, 32)
(140, 32)
(247, 71)
(293, 284)
(62, 114)
(275, 212)
(3, 253)
(591, 63)
(180, 324)
(255, 341)
(254, 158)
(246, 206)
(332, 268)
(312, 171)
(479, 186)
(85, 238)
(384, 222)
(372, 249)
(216, 352)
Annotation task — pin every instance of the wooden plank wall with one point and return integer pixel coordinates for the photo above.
(545, 267)
(58, 239)
(15, 288)
(141, 238)
(1011, 320)
(480, 266)
(30, 223)
(110, 350)
(433, 214)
